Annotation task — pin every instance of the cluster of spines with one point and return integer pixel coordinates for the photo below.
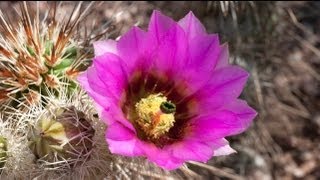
(35, 54)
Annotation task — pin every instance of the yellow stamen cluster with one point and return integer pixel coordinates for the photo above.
(152, 118)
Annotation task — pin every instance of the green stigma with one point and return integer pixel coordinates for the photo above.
(168, 107)
(155, 115)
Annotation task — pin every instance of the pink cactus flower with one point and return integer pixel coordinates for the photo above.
(168, 94)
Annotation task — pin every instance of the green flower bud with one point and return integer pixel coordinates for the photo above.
(62, 134)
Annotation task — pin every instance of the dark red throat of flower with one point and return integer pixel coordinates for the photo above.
(157, 108)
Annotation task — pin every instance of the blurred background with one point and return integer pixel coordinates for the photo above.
(279, 44)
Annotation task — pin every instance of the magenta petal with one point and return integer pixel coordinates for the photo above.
(192, 26)
(111, 72)
(93, 89)
(126, 147)
(225, 85)
(231, 119)
(171, 164)
(171, 55)
(107, 104)
(221, 147)
(203, 56)
(83, 81)
(159, 25)
(192, 150)
(96, 83)
(107, 46)
(218, 125)
(206, 56)
(115, 114)
(162, 157)
(204, 52)
(223, 58)
(223, 151)
(134, 48)
(118, 132)
(241, 109)
(102, 103)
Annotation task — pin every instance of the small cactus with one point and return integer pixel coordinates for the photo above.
(38, 54)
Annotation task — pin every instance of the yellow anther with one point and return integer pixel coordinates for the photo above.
(155, 115)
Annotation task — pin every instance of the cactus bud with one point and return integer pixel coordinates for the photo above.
(62, 134)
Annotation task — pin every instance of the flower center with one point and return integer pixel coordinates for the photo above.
(155, 115)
